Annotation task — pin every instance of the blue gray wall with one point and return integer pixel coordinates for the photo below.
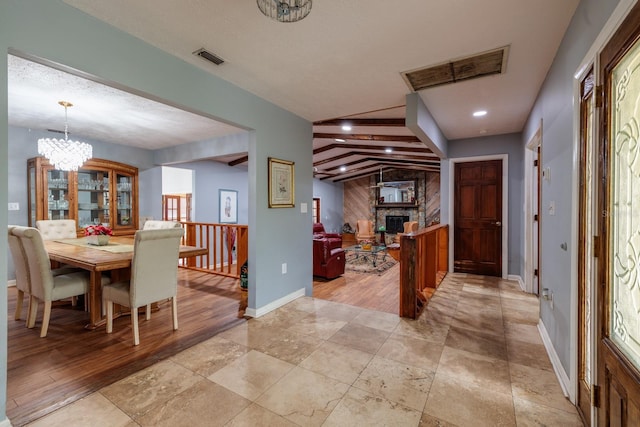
(509, 144)
(41, 28)
(555, 107)
(331, 204)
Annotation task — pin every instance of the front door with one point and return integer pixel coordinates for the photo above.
(619, 203)
(478, 218)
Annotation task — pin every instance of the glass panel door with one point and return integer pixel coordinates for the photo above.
(93, 198)
(624, 206)
(57, 194)
(124, 199)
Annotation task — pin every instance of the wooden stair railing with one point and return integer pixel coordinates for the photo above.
(423, 264)
(220, 240)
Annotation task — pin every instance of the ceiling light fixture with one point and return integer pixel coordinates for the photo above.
(388, 150)
(480, 113)
(343, 168)
(285, 11)
(346, 127)
(340, 140)
(64, 154)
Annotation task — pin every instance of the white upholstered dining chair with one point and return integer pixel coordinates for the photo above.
(152, 224)
(23, 283)
(45, 286)
(154, 277)
(52, 229)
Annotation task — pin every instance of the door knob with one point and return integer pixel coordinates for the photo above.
(498, 223)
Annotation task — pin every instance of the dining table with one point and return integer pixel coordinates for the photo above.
(115, 257)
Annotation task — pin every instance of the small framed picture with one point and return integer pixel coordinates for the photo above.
(281, 183)
(228, 200)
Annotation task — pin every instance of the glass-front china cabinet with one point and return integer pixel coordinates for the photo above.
(101, 192)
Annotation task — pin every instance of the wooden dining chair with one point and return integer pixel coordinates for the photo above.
(154, 277)
(45, 286)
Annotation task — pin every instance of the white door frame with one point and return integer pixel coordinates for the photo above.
(505, 205)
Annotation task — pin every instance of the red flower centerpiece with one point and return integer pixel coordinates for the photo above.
(97, 234)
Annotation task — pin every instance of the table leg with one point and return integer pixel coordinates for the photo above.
(95, 300)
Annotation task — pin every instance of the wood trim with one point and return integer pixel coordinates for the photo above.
(367, 137)
(362, 122)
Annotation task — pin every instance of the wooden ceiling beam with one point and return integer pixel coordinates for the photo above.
(372, 156)
(368, 137)
(361, 122)
(238, 161)
(378, 148)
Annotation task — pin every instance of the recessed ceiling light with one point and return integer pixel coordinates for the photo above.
(340, 140)
(346, 127)
(388, 150)
(343, 168)
(480, 113)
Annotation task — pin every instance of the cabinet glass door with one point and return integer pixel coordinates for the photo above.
(124, 199)
(57, 194)
(93, 198)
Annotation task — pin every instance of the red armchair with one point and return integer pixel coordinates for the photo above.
(319, 233)
(328, 261)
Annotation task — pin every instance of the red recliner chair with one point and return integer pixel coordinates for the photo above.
(328, 261)
(319, 233)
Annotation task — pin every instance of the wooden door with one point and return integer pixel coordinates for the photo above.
(478, 218)
(587, 223)
(171, 204)
(619, 205)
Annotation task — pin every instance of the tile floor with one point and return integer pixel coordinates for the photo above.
(474, 358)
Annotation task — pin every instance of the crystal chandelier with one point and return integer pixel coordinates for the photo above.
(285, 11)
(64, 154)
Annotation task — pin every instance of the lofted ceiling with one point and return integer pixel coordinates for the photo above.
(344, 61)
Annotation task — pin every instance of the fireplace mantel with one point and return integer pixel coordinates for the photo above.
(397, 205)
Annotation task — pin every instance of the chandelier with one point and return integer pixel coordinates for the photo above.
(285, 11)
(64, 154)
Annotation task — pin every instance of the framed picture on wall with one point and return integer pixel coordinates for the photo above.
(228, 202)
(281, 183)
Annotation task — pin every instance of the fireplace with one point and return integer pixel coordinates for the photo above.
(395, 223)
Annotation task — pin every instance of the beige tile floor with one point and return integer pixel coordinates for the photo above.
(474, 358)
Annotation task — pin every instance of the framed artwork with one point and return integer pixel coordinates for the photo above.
(281, 183)
(228, 202)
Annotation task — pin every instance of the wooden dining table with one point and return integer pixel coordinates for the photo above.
(115, 258)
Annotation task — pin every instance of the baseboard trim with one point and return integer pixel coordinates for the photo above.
(10, 283)
(5, 423)
(563, 378)
(518, 279)
(252, 312)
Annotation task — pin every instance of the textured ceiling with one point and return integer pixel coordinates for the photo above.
(345, 59)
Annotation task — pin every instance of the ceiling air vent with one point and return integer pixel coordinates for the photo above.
(203, 53)
(471, 67)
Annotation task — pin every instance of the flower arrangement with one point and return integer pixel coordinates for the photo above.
(366, 244)
(97, 230)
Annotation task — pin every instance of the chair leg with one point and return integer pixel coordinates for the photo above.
(74, 301)
(45, 319)
(147, 312)
(19, 305)
(174, 312)
(109, 316)
(134, 325)
(33, 307)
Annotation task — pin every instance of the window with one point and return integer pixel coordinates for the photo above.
(316, 209)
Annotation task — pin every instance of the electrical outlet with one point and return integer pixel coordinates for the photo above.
(284, 268)
(14, 206)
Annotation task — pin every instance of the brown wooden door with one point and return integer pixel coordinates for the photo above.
(619, 205)
(586, 231)
(478, 218)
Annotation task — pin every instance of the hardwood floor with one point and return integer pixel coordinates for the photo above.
(44, 374)
(362, 290)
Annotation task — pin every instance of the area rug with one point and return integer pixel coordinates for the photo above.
(359, 263)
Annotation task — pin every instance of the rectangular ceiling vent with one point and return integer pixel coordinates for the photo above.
(203, 53)
(471, 67)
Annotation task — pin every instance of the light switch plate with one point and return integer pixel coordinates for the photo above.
(303, 208)
(14, 206)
